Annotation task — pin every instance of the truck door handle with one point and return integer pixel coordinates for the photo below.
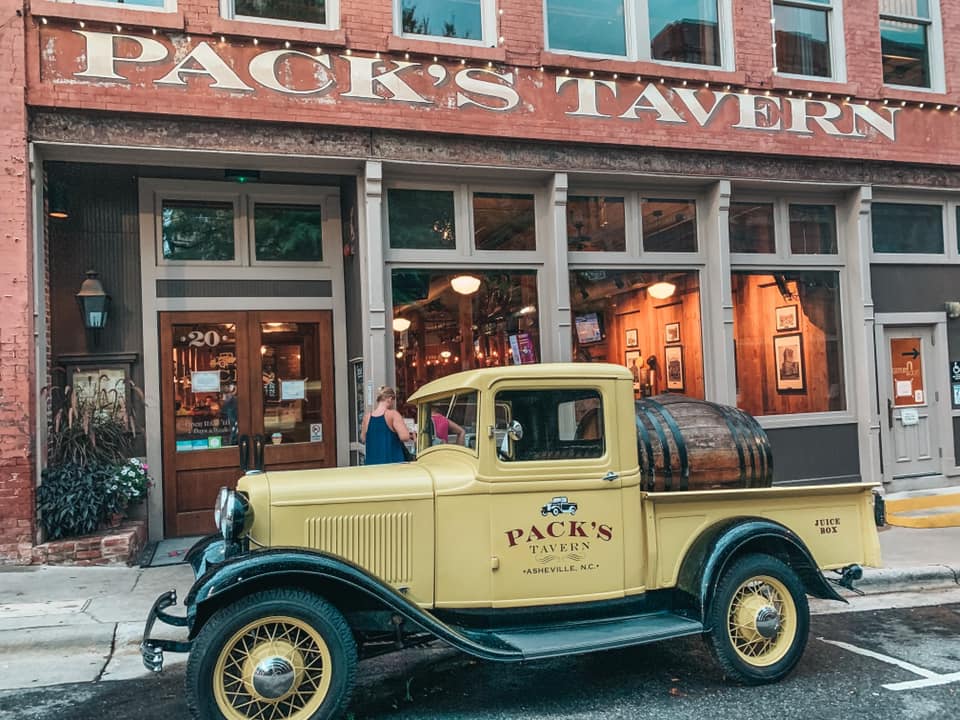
(889, 413)
(611, 476)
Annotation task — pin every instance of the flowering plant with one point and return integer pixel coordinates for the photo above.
(129, 484)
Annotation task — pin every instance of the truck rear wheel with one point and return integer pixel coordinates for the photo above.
(274, 655)
(759, 620)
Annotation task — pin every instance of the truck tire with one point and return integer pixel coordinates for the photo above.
(759, 620)
(277, 654)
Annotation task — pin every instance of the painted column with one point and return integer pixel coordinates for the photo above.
(555, 286)
(376, 348)
(716, 300)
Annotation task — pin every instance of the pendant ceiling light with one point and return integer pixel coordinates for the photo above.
(465, 284)
(661, 290)
(400, 324)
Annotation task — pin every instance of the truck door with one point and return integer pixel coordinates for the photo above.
(557, 522)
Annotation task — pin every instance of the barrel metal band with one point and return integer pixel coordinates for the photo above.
(664, 446)
(762, 443)
(681, 443)
(739, 441)
(644, 437)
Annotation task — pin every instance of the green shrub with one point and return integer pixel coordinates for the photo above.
(71, 499)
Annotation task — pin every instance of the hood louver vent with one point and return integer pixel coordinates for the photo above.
(378, 543)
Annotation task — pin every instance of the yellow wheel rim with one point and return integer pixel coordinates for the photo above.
(271, 669)
(762, 621)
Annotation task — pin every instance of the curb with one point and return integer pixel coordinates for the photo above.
(907, 579)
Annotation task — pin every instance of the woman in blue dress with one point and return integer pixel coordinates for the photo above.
(383, 431)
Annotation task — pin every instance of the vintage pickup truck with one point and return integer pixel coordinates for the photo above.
(315, 568)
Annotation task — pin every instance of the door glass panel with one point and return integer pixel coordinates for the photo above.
(206, 401)
(290, 367)
(197, 230)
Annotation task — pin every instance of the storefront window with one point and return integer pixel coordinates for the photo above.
(421, 219)
(669, 225)
(504, 222)
(288, 233)
(445, 321)
(751, 228)
(647, 321)
(596, 224)
(197, 230)
(788, 342)
(906, 228)
(813, 230)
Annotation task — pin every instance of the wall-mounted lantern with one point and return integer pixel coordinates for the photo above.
(94, 302)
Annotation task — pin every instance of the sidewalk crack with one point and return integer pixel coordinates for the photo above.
(956, 575)
(113, 647)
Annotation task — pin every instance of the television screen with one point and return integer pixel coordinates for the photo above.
(588, 328)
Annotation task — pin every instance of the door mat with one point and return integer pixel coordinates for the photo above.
(167, 552)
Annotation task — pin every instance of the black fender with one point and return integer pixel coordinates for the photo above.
(330, 576)
(718, 546)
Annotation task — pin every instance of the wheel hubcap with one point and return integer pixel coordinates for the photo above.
(761, 621)
(273, 677)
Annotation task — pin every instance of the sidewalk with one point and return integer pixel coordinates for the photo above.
(84, 624)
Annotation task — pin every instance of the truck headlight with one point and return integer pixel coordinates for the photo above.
(232, 514)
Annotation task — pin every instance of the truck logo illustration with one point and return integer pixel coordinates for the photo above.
(559, 505)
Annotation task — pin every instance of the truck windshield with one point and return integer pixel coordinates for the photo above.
(449, 420)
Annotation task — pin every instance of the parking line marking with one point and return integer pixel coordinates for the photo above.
(926, 682)
(910, 667)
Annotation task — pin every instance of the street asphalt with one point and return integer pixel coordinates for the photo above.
(84, 624)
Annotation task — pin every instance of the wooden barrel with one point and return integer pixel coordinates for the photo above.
(690, 444)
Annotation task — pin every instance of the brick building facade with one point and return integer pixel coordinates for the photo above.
(310, 181)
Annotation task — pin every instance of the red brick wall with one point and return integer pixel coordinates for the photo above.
(16, 318)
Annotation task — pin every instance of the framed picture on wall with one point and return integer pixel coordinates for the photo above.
(634, 362)
(787, 318)
(671, 333)
(673, 367)
(632, 338)
(788, 355)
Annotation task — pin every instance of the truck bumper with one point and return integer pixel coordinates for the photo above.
(151, 649)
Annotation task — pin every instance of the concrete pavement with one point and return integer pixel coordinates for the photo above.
(84, 624)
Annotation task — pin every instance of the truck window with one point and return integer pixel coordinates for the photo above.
(450, 420)
(561, 424)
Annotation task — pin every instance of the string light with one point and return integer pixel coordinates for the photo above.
(286, 44)
(43, 20)
(222, 39)
(119, 28)
(255, 41)
(82, 24)
(616, 75)
(153, 30)
(591, 73)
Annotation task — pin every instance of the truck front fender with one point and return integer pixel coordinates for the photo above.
(717, 547)
(330, 576)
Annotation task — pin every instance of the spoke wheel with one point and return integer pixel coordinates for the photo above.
(759, 620)
(276, 655)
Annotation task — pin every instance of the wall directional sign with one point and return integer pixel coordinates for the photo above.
(906, 362)
(955, 382)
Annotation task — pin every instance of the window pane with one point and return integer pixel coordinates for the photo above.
(788, 342)
(594, 27)
(803, 41)
(647, 321)
(813, 230)
(669, 226)
(684, 31)
(557, 425)
(596, 224)
(905, 55)
(197, 230)
(444, 18)
(421, 219)
(504, 222)
(293, 396)
(440, 422)
(287, 232)
(138, 3)
(904, 228)
(497, 324)
(751, 228)
(308, 11)
(906, 8)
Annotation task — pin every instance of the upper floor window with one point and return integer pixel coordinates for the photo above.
(784, 228)
(907, 228)
(307, 12)
(682, 31)
(162, 5)
(459, 20)
(808, 37)
(907, 35)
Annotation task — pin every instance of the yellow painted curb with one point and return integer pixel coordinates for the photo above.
(925, 521)
(923, 502)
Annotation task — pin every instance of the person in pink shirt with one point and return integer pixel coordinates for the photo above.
(443, 426)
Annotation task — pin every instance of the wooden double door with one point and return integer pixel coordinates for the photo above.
(240, 389)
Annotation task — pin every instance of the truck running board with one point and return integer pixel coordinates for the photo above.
(541, 641)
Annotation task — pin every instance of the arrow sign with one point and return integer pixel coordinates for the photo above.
(912, 354)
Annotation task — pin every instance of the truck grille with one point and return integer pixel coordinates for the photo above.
(379, 543)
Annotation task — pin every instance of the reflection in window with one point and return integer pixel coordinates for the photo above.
(907, 228)
(594, 27)
(290, 356)
(421, 219)
(684, 31)
(669, 225)
(905, 42)
(813, 230)
(751, 228)
(197, 230)
(504, 222)
(803, 37)
(788, 342)
(595, 224)
(443, 18)
(446, 321)
(287, 233)
(648, 321)
(305, 11)
(561, 424)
